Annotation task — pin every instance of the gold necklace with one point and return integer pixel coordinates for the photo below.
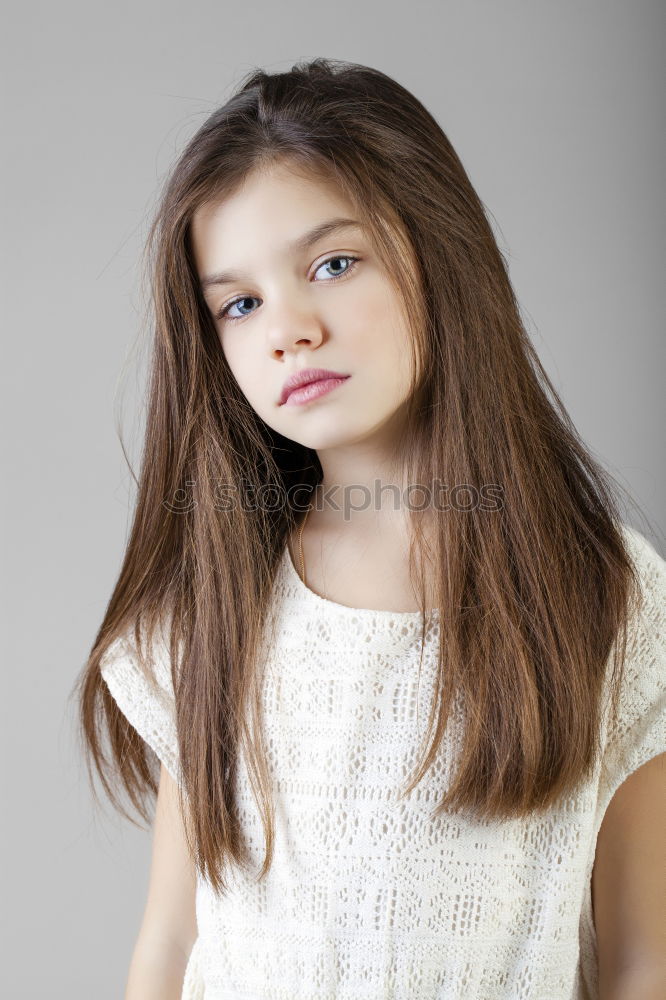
(300, 542)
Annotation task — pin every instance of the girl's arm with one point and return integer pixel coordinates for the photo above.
(629, 888)
(168, 930)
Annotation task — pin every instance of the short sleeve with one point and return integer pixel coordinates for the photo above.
(639, 731)
(149, 706)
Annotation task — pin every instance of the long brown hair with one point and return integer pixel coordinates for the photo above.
(532, 594)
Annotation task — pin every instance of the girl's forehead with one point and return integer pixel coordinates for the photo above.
(273, 196)
(282, 212)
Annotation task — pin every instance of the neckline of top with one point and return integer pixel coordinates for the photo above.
(324, 602)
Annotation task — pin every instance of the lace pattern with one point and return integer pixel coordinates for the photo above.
(368, 896)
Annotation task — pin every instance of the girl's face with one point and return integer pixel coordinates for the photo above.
(287, 302)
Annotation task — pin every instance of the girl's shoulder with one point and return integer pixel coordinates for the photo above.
(138, 675)
(637, 731)
(650, 569)
(639, 544)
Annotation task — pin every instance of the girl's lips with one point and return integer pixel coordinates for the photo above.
(304, 376)
(313, 390)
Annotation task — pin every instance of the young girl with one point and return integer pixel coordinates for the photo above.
(379, 620)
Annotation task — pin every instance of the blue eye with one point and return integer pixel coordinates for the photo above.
(242, 300)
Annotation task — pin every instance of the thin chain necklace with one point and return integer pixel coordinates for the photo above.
(300, 542)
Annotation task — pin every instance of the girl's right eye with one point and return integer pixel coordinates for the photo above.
(224, 311)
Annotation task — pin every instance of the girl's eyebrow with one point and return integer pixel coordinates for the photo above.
(300, 244)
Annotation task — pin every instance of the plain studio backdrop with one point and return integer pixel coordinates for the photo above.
(557, 113)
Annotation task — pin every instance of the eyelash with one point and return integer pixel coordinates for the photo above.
(222, 313)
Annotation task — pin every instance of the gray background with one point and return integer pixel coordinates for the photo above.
(556, 110)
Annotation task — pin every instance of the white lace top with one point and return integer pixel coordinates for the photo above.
(367, 897)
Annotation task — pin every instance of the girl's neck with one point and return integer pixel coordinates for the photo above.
(362, 563)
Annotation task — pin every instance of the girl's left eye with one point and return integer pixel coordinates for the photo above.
(224, 313)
